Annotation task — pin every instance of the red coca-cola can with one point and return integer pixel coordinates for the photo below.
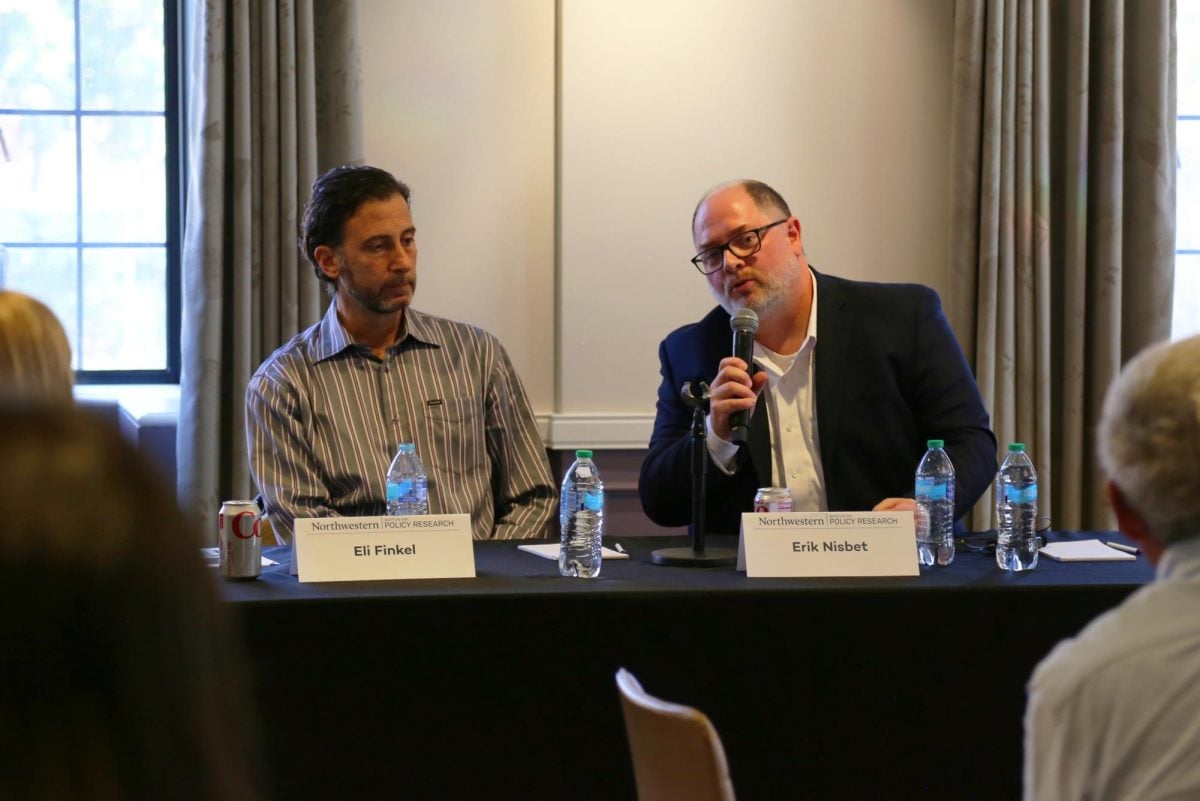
(773, 499)
(239, 541)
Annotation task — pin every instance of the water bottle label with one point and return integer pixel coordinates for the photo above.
(396, 489)
(1021, 494)
(593, 501)
(931, 488)
(583, 471)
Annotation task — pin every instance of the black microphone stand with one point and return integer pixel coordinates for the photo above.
(697, 555)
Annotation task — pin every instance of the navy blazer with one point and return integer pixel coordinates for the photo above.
(889, 375)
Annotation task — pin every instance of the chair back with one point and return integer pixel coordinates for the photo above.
(267, 531)
(676, 752)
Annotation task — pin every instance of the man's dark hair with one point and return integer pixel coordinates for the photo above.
(763, 196)
(336, 195)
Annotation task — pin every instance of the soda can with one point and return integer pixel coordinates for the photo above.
(239, 540)
(773, 499)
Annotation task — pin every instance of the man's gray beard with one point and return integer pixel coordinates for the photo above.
(731, 305)
(776, 296)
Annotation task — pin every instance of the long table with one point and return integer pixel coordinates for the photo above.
(502, 686)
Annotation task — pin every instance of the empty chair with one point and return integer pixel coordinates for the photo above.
(676, 752)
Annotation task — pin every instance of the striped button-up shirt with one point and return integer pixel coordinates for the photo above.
(324, 416)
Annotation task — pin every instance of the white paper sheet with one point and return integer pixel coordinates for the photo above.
(550, 551)
(212, 558)
(1084, 551)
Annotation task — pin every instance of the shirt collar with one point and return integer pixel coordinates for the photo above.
(1180, 561)
(417, 326)
(812, 313)
(333, 338)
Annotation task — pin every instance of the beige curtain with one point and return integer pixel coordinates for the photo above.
(269, 105)
(1063, 220)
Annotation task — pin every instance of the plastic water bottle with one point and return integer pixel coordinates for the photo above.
(1016, 511)
(407, 485)
(581, 518)
(934, 516)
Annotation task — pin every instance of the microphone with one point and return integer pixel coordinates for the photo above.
(744, 325)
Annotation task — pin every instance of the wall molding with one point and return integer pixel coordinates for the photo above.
(595, 431)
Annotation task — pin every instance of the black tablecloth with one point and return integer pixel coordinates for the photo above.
(502, 685)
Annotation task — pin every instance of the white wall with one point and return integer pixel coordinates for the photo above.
(842, 106)
(458, 97)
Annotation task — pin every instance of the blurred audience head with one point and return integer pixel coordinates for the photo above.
(119, 675)
(35, 357)
(1149, 443)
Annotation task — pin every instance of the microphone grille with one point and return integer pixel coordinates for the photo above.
(744, 320)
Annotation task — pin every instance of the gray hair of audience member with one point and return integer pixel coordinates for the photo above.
(336, 196)
(1149, 438)
(764, 197)
(35, 357)
(119, 675)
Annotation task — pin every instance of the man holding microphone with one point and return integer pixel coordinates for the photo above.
(850, 379)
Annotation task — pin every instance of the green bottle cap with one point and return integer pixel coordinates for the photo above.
(935, 443)
(583, 454)
(1016, 447)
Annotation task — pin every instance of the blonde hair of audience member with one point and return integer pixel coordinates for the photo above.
(119, 676)
(1149, 443)
(35, 357)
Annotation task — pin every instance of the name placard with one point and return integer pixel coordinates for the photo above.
(827, 544)
(377, 548)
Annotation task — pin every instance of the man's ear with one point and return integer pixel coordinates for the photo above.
(327, 260)
(1128, 519)
(1132, 525)
(795, 236)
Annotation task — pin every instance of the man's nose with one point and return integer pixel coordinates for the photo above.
(402, 261)
(732, 260)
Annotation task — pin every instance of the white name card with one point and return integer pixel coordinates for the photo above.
(376, 548)
(826, 544)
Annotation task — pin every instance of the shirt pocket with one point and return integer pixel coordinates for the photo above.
(456, 430)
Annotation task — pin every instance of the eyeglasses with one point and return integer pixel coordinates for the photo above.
(744, 245)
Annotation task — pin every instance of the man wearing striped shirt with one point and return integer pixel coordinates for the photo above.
(325, 412)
